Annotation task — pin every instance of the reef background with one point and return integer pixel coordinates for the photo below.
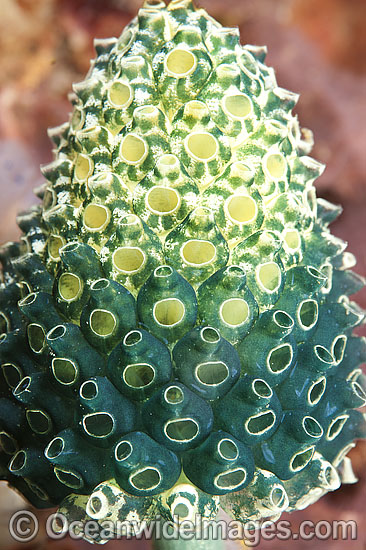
(317, 49)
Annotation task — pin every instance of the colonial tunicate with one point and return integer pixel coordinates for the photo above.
(176, 322)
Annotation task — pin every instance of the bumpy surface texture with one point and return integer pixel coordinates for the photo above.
(176, 327)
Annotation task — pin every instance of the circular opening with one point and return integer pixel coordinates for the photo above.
(96, 217)
(163, 271)
(36, 337)
(28, 300)
(12, 374)
(169, 312)
(128, 259)
(315, 273)
(54, 244)
(25, 289)
(102, 322)
(247, 63)
(101, 180)
(77, 119)
(300, 460)
(83, 167)
(232, 479)
(242, 208)
(57, 332)
(64, 370)
(89, 390)
(184, 429)
(275, 166)
(241, 170)
(353, 375)
(173, 395)
(237, 105)
(124, 41)
(228, 449)
(316, 391)
(39, 421)
(310, 197)
(18, 461)
(336, 426)
(55, 448)
(168, 160)
(123, 450)
(261, 388)
(307, 314)
(323, 354)
(358, 391)
(195, 109)
(292, 239)
(120, 94)
(280, 358)
(89, 132)
(260, 423)
(283, 320)
(22, 386)
(133, 149)
(198, 252)
(69, 478)
(133, 61)
(338, 348)
(40, 493)
(330, 476)
(146, 111)
(100, 424)
(210, 335)
(100, 284)
(212, 373)
(227, 71)
(146, 480)
(155, 3)
(327, 273)
(202, 146)
(96, 504)
(130, 219)
(139, 375)
(162, 200)
(132, 338)
(49, 199)
(234, 312)
(180, 63)
(278, 497)
(71, 247)
(8, 444)
(235, 271)
(269, 276)
(69, 287)
(181, 510)
(312, 427)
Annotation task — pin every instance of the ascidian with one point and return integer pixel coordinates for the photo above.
(176, 327)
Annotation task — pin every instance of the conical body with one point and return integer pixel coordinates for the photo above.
(176, 319)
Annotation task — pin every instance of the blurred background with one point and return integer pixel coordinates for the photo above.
(317, 48)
